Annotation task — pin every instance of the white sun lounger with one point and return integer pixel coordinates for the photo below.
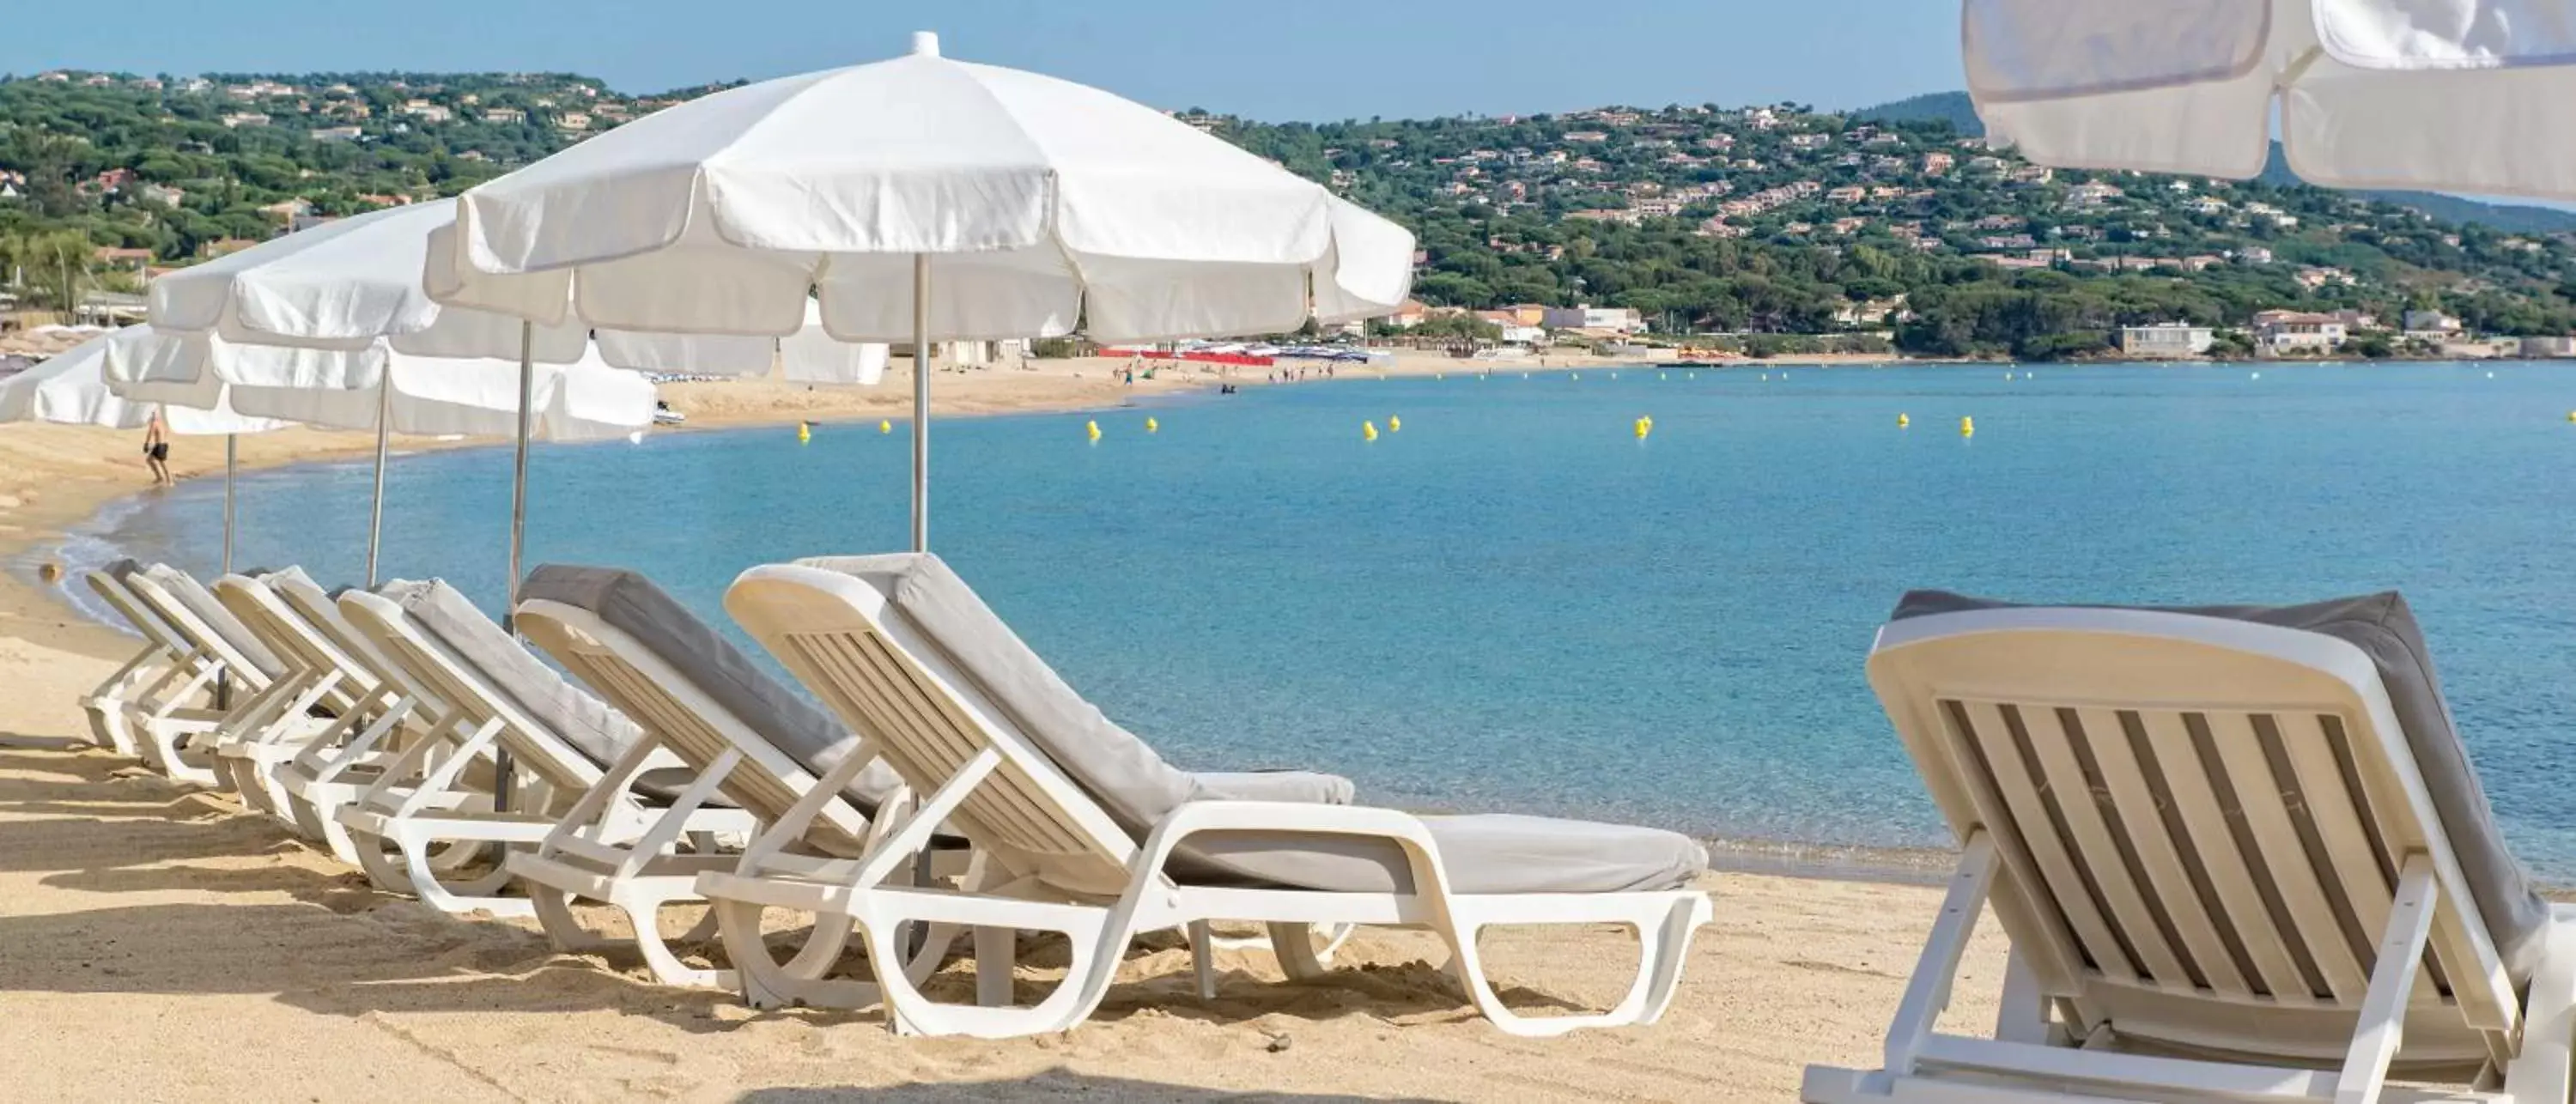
(1092, 835)
(176, 738)
(2241, 855)
(760, 745)
(280, 723)
(325, 775)
(165, 669)
(499, 697)
(696, 694)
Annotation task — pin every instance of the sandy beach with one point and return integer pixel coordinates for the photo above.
(157, 943)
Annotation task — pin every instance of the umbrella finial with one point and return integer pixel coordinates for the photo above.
(925, 43)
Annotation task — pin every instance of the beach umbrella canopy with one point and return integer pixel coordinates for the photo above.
(355, 284)
(72, 389)
(2456, 95)
(420, 395)
(919, 199)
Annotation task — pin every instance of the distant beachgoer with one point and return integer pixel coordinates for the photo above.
(156, 450)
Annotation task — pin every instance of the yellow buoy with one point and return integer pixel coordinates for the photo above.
(885, 427)
(1151, 425)
(1368, 431)
(1902, 421)
(1967, 427)
(1093, 428)
(2571, 415)
(804, 432)
(1394, 424)
(1644, 427)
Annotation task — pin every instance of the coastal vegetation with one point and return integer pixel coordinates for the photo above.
(1760, 223)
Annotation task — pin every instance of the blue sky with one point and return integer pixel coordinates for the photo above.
(1305, 59)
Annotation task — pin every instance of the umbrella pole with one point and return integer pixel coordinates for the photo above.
(921, 402)
(518, 529)
(231, 462)
(519, 470)
(376, 513)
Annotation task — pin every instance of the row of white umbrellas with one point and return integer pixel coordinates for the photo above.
(808, 220)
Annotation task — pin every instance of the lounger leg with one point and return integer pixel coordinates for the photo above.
(2541, 1071)
(1203, 959)
(997, 952)
(106, 704)
(482, 894)
(1663, 946)
(766, 983)
(1299, 958)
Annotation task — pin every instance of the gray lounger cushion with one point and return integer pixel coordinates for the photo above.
(2385, 630)
(1483, 854)
(585, 722)
(789, 721)
(188, 592)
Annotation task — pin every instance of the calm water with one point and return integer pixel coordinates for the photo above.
(1514, 603)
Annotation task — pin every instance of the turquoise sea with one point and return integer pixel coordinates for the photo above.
(1515, 603)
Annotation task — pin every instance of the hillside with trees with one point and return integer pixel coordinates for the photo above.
(1889, 225)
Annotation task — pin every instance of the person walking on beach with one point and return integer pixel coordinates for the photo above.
(156, 450)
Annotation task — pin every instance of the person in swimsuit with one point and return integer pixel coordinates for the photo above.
(156, 450)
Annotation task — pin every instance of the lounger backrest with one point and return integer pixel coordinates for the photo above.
(255, 603)
(201, 622)
(109, 583)
(693, 724)
(422, 660)
(846, 642)
(2201, 822)
(319, 611)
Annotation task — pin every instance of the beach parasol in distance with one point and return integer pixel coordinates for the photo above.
(917, 200)
(343, 305)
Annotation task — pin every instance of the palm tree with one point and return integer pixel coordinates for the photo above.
(56, 264)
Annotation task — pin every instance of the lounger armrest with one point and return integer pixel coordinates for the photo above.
(1300, 787)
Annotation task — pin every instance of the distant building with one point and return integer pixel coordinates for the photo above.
(337, 134)
(2430, 323)
(2166, 339)
(2549, 346)
(1625, 320)
(506, 115)
(2284, 331)
(1410, 314)
(240, 119)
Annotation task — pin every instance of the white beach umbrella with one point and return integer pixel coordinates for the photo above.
(2457, 95)
(920, 200)
(354, 287)
(72, 388)
(419, 395)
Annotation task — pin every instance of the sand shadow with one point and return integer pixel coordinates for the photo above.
(20, 741)
(1054, 1084)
